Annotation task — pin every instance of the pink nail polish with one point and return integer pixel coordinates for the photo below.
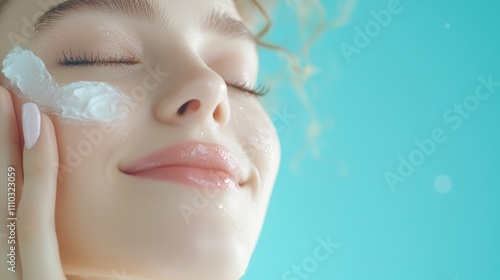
(31, 124)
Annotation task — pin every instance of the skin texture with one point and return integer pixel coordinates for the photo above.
(79, 216)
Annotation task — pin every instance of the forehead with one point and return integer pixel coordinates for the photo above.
(157, 4)
(185, 9)
(218, 15)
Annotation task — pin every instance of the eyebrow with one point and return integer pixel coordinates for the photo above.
(226, 25)
(218, 22)
(134, 8)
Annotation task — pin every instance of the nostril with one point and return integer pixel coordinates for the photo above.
(218, 114)
(182, 109)
(191, 105)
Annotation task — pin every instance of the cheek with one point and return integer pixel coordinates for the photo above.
(260, 140)
(80, 145)
(84, 179)
(86, 190)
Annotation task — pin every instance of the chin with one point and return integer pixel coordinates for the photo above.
(217, 253)
(148, 237)
(210, 249)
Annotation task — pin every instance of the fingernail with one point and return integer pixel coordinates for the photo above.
(31, 124)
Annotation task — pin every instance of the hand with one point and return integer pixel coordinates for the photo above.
(36, 246)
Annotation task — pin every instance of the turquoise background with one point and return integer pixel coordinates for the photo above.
(443, 221)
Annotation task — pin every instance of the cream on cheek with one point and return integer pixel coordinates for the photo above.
(76, 103)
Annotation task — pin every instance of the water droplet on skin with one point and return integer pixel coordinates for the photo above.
(229, 183)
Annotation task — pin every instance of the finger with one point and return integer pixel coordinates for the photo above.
(38, 245)
(10, 186)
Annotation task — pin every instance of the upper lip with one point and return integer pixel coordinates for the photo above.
(189, 154)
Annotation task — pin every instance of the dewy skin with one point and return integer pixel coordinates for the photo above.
(75, 103)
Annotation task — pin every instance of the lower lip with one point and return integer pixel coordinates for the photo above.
(191, 176)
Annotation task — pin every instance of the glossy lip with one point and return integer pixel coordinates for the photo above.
(191, 163)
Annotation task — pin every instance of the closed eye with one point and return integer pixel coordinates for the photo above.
(260, 90)
(69, 59)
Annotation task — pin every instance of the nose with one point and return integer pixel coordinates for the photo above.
(198, 94)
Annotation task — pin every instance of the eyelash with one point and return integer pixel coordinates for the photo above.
(70, 59)
(260, 90)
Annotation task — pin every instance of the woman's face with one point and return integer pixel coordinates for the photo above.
(181, 63)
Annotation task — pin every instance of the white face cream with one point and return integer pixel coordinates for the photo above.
(75, 103)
